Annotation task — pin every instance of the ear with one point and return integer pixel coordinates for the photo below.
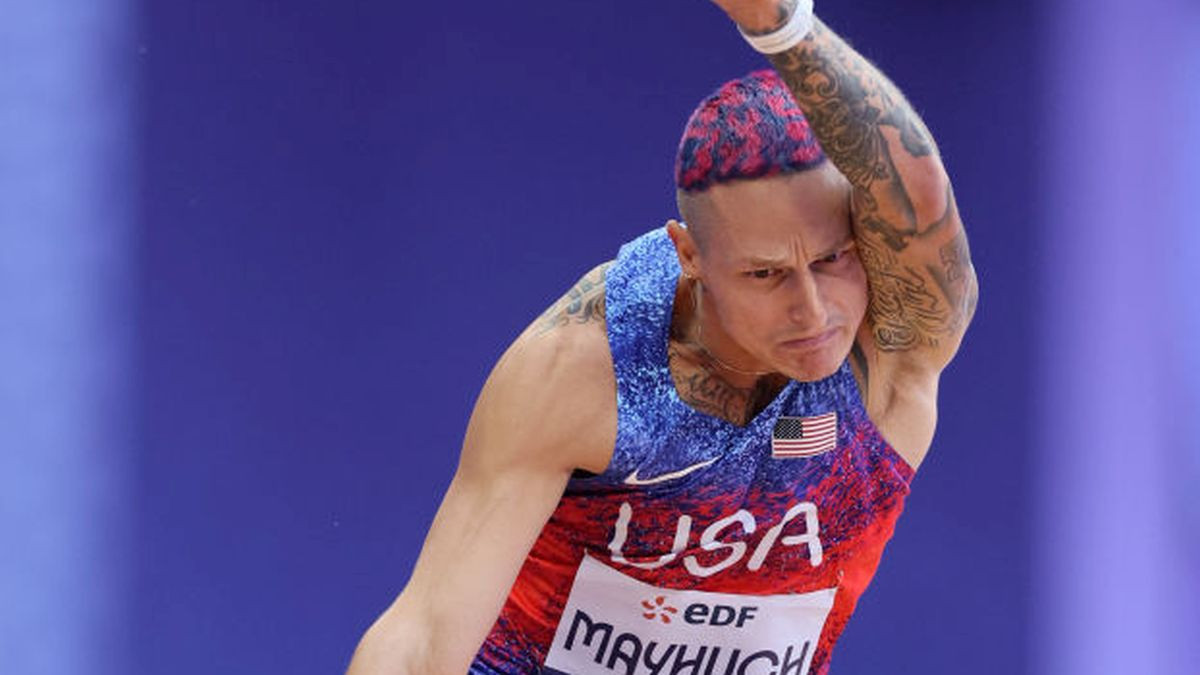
(685, 247)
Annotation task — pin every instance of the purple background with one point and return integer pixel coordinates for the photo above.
(301, 233)
(350, 212)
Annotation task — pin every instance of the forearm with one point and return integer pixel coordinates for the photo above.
(870, 133)
(909, 233)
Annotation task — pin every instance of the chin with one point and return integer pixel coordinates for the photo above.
(814, 365)
(812, 373)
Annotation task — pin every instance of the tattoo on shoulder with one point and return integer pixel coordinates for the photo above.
(583, 303)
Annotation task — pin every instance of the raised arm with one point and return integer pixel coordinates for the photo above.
(906, 222)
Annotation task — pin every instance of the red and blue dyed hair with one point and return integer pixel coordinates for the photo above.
(749, 128)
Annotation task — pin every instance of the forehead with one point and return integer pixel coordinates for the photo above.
(771, 218)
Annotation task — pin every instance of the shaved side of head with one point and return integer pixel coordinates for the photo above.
(749, 128)
(696, 213)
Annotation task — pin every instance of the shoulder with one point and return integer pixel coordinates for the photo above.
(553, 390)
(582, 304)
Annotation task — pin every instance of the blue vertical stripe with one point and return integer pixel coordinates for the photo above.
(65, 279)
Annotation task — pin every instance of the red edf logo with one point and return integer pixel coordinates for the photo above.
(659, 608)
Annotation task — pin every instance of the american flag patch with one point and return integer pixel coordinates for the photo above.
(804, 436)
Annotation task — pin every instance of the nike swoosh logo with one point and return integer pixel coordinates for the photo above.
(632, 479)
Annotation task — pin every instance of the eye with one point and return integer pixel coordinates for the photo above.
(764, 273)
(836, 256)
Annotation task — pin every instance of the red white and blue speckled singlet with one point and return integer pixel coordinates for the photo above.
(701, 549)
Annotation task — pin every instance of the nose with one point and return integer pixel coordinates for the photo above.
(806, 302)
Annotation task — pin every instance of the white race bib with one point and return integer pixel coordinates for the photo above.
(616, 624)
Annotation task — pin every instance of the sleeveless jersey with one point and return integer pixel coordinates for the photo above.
(705, 547)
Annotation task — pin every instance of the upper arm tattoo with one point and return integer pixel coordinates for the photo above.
(583, 303)
(955, 276)
(919, 294)
(905, 312)
(917, 305)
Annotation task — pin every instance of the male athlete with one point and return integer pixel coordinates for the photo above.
(692, 462)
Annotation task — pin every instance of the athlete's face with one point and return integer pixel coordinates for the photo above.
(783, 287)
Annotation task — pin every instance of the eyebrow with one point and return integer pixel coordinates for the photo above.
(849, 239)
(766, 261)
(758, 261)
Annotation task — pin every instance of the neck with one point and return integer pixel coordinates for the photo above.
(712, 349)
(712, 340)
(710, 383)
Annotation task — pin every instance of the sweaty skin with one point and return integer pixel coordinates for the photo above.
(548, 408)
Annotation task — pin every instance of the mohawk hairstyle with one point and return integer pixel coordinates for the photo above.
(749, 128)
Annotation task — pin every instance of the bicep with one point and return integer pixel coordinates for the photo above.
(923, 291)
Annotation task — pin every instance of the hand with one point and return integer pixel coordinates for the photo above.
(757, 17)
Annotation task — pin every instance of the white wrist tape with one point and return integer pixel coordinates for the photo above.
(791, 33)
